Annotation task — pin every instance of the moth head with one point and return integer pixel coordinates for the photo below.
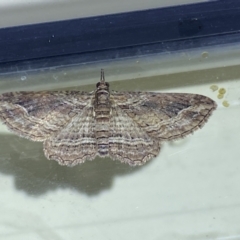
(102, 84)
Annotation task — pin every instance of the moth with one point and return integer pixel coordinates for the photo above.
(77, 126)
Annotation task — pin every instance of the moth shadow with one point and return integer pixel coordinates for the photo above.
(36, 175)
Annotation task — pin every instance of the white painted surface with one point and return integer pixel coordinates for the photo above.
(21, 12)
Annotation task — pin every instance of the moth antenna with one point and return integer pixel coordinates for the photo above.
(102, 76)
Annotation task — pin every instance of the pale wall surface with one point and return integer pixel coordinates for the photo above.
(190, 191)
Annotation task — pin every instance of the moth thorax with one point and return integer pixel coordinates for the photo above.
(102, 97)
